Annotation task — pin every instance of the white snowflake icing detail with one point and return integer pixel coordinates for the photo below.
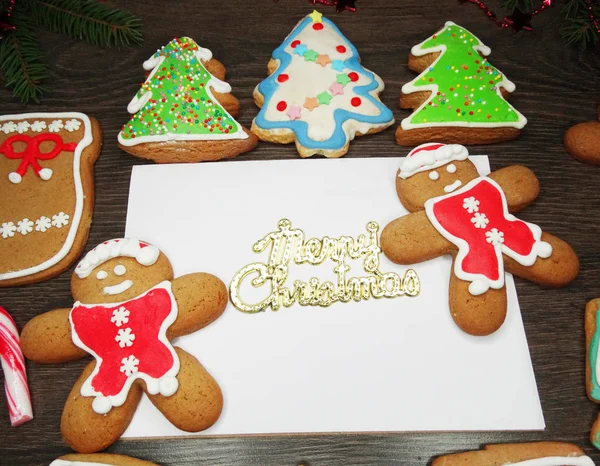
(60, 220)
(72, 125)
(55, 126)
(8, 229)
(23, 126)
(494, 237)
(24, 226)
(470, 204)
(43, 224)
(120, 316)
(129, 365)
(125, 337)
(480, 220)
(38, 126)
(9, 127)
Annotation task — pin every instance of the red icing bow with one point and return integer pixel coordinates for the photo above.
(32, 154)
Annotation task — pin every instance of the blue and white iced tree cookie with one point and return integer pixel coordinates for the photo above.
(592, 367)
(317, 93)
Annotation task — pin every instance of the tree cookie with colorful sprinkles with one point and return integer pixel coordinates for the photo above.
(456, 212)
(458, 97)
(519, 454)
(318, 95)
(47, 192)
(184, 111)
(128, 308)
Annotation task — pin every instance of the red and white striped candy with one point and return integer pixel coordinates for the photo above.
(15, 376)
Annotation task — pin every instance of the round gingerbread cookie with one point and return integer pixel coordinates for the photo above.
(582, 141)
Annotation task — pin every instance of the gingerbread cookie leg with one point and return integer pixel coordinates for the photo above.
(201, 298)
(198, 401)
(83, 429)
(46, 339)
(477, 315)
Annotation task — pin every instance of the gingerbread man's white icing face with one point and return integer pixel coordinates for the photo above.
(119, 272)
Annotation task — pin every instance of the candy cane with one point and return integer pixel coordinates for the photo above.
(15, 376)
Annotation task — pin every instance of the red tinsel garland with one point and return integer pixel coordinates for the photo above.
(592, 17)
(518, 20)
(5, 26)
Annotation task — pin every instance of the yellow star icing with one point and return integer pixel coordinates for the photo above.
(316, 16)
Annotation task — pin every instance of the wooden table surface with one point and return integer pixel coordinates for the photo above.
(556, 88)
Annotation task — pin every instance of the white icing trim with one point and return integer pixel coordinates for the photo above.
(421, 159)
(120, 247)
(557, 461)
(118, 288)
(479, 282)
(222, 87)
(409, 88)
(453, 186)
(79, 198)
(42, 225)
(153, 385)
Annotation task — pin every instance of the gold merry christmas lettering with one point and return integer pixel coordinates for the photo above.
(289, 245)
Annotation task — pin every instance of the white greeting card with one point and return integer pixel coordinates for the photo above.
(396, 364)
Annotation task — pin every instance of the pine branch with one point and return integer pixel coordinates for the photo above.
(89, 20)
(579, 32)
(573, 8)
(20, 59)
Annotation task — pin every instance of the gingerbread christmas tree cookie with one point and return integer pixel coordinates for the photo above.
(458, 97)
(47, 191)
(318, 95)
(184, 111)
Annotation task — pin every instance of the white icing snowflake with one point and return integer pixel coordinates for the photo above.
(8, 230)
(38, 126)
(120, 316)
(55, 126)
(494, 236)
(480, 220)
(43, 224)
(471, 204)
(129, 365)
(72, 125)
(23, 126)
(25, 226)
(9, 127)
(125, 337)
(60, 220)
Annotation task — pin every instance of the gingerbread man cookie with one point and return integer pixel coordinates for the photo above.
(47, 191)
(99, 459)
(128, 307)
(582, 141)
(519, 454)
(455, 211)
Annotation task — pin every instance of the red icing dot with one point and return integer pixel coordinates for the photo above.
(318, 26)
(353, 76)
(281, 105)
(295, 43)
(282, 78)
(356, 101)
(341, 49)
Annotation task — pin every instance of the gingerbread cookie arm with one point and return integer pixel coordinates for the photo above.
(201, 298)
(47, 339)
(559, 269)
(520, 185)
(595, 433)
(412, 238)
(105, 458)
(198, 401)
(477, 315)
(87, 432)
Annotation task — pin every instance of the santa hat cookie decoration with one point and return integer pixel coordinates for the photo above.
(430, 156)
(143, 253)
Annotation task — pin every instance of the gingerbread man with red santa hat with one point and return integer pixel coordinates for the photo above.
(456, 211)
(128, 307)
